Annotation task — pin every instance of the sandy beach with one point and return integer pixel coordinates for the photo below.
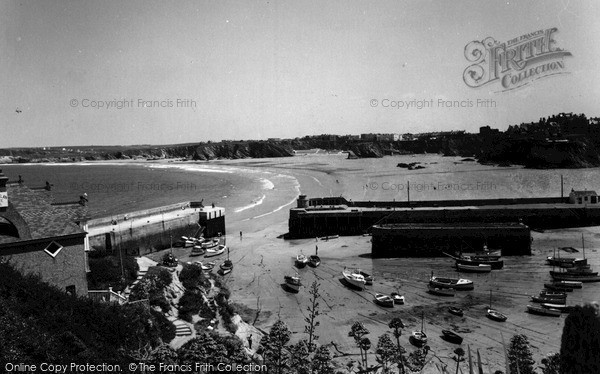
(262, 258)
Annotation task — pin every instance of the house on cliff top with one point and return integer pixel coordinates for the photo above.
(42, 237)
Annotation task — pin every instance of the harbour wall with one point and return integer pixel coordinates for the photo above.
(141, 232)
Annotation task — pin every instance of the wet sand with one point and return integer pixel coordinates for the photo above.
(262, 258)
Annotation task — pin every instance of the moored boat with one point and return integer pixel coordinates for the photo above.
(571, 284)
(384, 300)
(398, 299)
(496, 315)
(540, 310)
(553, 294)
(314, 261)
(210, 243)
(455, 283)
(211, 252)
(441, 291)
(206, 266)
(197, 250)
(456, 311)
(292, 282)
(354, 279)
(562, 308)
(451, 337)
(419, 338)
(496, 264)
(480, 268)
(301, 260)
(557, 286)
(551, 300)
(585, 278)
(368, 277)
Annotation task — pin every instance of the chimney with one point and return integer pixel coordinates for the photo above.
(3, 193)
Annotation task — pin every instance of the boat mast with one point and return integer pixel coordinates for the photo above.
(422, 320)
(490, 298)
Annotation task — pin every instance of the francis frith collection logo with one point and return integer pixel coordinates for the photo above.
(514, 63)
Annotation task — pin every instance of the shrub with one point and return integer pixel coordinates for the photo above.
(192, 277)
(189, 304)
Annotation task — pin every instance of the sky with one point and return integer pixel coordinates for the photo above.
(170, 72)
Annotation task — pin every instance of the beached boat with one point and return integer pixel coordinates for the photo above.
(440, 291)
(292, 282)
(354, 279)
(486, 253)
(211, 252)
(206, 266)
(571, 284)
(564, 261)
(314, 261)
(419, 338)
(493, 314)
(368, 277)
(398, 299)
(301, 260)
(226, 265)
(553, 294)
(456, 311)
(551, 300)
(581, 270)
(210, 243)
(197, 250)
(458, 284)
(585, 278)
(563, 308)
(540, 310)
(496, 264)
(384, 300)
(451, 337)
(480, 268)
(328, 237)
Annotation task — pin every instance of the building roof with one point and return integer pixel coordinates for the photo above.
(35, 217)
(583, 193)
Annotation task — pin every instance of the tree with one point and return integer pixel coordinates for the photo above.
(313, 311)
(386, 352)
(459, 357)
(397, 325)
(551, 364)
(580, 341)
(417, 358)
(321, 363)
(519, 354)
(358, 331)
(299, 357)
(275, 354)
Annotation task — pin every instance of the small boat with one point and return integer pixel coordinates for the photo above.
(384, 300)
(451, 337)
(571, 284)
(560, 261)
(493, 314)
(354, 279)
(561, 307)
(456, 311)
(398, 299)
(328, 237)
(211, 252)
(455, 283)
(557, 286)
(197, 250)
(584, 278)
(480, 268)
(419, 338)
(189, 243)
(543, 311)
(550, 300)
(292, 282)
(368, 277)
(581, 270)
(314, 261)
(210, 243)
(496, 264)
(486, 254)
(226, 265)
(553, 294)
(208, 266)
(301, 261)
(441, 291)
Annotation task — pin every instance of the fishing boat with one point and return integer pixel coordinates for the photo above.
(210, 243)
(441, 291)
(455, 283)
(226, 266)
(354, 279)
(563, 261)
(571, 284)
(211, 252)
(496, 264)
(314, 261)
(328, 237)
(585, 278)
(540, 310)
(551, 300)
(208, 266)
(398, 299)
(384, 300)
(480, 268)
(486, 253)
(292, 282)
(451, 337)
(553, 294)
(197, 250)
(456, 311)
(301, 260)
(561, 307)
(493, 314)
